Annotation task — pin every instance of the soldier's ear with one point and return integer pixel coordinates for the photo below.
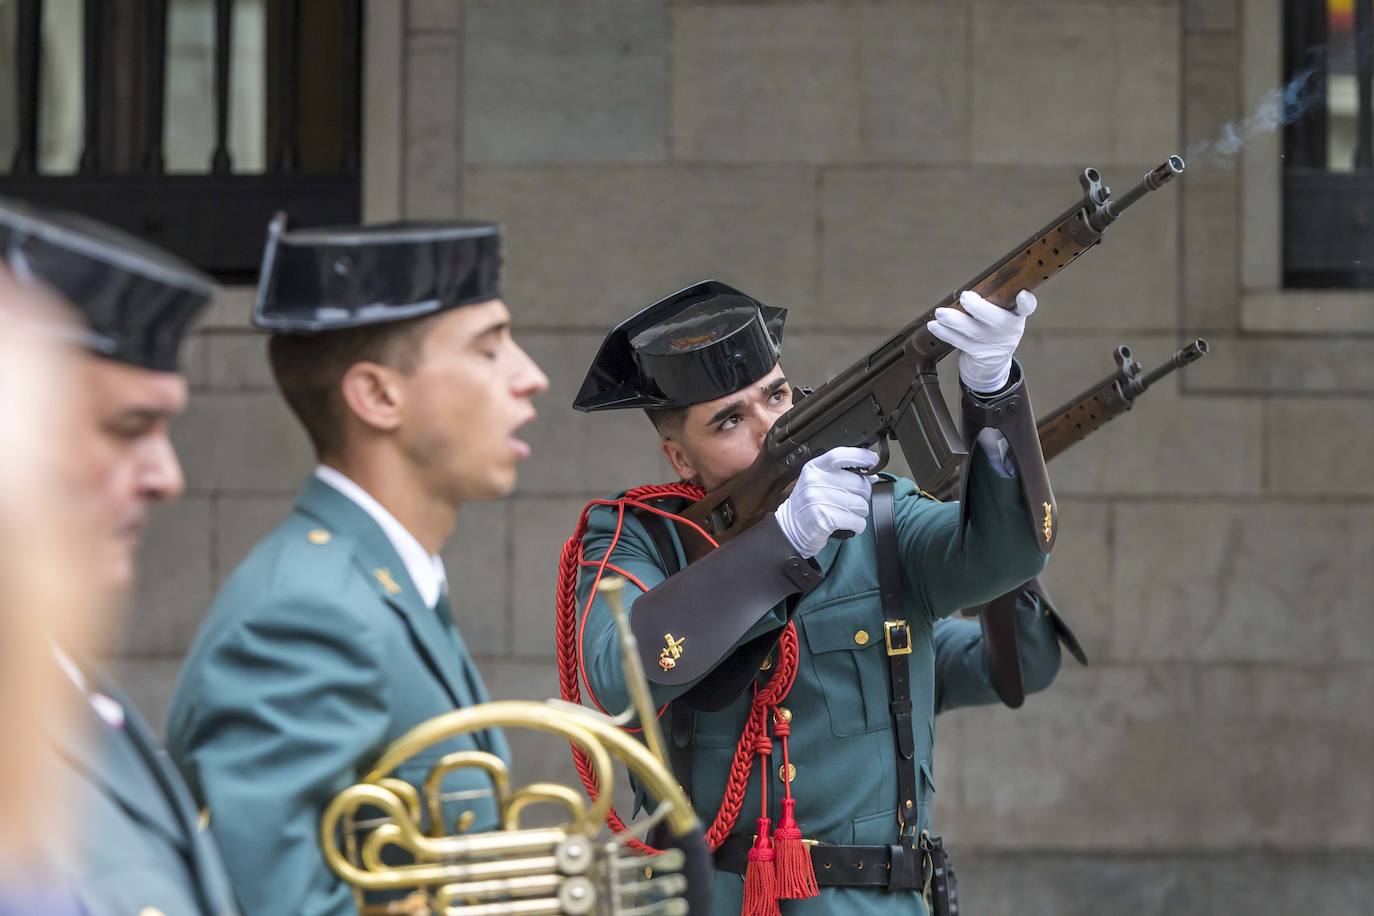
(373, 393)
(679, 459)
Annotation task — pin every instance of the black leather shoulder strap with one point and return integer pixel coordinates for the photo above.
(1002, 648)
(897, 639)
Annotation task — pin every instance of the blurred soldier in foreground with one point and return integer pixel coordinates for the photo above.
(134, 844)
(45, 537)
(335, 636)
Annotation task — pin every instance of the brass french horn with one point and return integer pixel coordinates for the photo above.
(566, 869)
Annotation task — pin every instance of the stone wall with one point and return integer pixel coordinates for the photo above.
(854, 161)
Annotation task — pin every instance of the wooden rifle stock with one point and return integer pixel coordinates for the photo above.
(893, 392)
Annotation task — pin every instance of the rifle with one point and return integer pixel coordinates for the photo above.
(1058, 430)
(1088, 412)
(893, 392)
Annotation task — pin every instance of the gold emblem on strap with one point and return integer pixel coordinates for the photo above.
(672, 651)
(388, 583)
(1049, 522)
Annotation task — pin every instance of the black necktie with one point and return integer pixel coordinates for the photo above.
(444, 612)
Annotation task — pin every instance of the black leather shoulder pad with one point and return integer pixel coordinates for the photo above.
(690, 622)
(1009, 412)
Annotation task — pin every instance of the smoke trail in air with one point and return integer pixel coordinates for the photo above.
(1279, 108)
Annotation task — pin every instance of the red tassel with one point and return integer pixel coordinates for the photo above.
(796, 874)
(760, 879)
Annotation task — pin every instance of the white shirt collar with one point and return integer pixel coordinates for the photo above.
(426, 570)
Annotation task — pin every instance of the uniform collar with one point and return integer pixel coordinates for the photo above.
(426, 570)
(109, 709)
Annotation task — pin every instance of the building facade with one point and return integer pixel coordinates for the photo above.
(855, 161)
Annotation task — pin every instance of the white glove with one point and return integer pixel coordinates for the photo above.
(827, 498)
(985, 336)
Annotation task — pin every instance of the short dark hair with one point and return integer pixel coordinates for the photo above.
(309, 371)
(667, 420)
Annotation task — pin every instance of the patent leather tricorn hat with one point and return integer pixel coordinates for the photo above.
(135, 300)
(699, 344)
(319, 280)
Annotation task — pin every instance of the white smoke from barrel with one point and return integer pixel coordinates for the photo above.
(1279, 108)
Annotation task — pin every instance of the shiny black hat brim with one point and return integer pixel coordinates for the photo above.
(614, 380)
(136, 300)
(321, 280)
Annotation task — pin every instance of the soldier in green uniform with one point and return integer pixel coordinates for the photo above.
(855, 728)
(136, 845)
(335, 636)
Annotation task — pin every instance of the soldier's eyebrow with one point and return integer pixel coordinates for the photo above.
(737, 404)
(496, 328)
(726, 412)
(140, 417)
(777, 385)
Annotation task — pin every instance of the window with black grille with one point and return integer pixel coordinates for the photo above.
(188, 122)
(1328, 174)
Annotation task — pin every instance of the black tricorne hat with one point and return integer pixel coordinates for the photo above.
(319, 280)
(136, 300)
(699, 344)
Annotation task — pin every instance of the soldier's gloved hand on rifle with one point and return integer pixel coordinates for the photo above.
(826, 498)
(985, 336)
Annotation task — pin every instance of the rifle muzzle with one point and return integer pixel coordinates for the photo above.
(1154, 179)
(1191, 353)
(1164, 173)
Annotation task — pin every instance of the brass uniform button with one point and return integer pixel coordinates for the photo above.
(861, 637)
(783, 714)
(768, 660)
(788, 773)
(908, 804)
(318, 536)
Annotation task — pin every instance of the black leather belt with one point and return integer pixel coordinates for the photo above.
(892, 868)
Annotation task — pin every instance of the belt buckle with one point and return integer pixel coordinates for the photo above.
(902, 632)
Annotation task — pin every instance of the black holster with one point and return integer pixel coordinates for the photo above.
(942, 893)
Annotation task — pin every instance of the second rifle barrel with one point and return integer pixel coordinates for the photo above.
(1194, 351)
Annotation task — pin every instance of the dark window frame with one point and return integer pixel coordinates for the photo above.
(1328, 217)
(216, 219)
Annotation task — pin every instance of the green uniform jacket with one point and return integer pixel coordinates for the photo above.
(135, 845)
(841, 725)
(318, 652)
